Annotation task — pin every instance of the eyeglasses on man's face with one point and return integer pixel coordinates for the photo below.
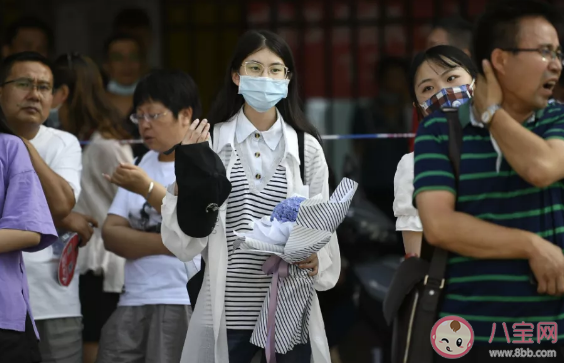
(256, 69)
(546, 53)
(28, 84)
(149, 117)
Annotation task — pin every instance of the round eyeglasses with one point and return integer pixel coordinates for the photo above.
(256, 69)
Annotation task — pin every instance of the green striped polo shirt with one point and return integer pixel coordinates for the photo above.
(493, 291)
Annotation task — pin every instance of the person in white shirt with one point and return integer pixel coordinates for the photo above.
(256, 122)
(86, 112)
(154, 310)
(25, 98)
(441, 76)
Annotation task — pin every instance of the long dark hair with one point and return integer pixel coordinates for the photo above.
(229, 102)
(88, 106)
(445, 56)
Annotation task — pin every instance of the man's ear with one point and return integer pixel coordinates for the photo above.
(185, 116)
(499, 60)
(236, 78)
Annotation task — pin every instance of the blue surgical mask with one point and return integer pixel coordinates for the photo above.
(121, 90)
(263, 93)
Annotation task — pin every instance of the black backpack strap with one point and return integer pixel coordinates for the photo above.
(440, 256)
(434, 281)
(301, 149)
(454, 141)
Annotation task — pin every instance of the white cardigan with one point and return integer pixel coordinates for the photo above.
(407, 215)
(206, 341)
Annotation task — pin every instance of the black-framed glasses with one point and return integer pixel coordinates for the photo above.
(28, 84)
(546, 53)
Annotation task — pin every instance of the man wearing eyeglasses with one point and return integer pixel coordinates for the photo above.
(26, 93)
(505, 236)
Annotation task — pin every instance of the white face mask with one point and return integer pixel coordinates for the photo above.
(121, 90)
(262, 93)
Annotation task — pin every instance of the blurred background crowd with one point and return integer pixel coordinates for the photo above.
(353, 58)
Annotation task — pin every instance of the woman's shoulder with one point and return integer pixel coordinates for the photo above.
(107, 147)
(14, 155)
(405, 165)
(312, 141)
(404, 172)
(406, 160)
(11, 144)
(11, 140)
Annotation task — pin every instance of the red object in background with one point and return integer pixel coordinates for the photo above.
(420, 34)
(423, 9)
(67, 262)
(315, 81)
(476, 7)
(367, 59)
(415, 124)
(395, 38)
(451, 8)
(342, 63)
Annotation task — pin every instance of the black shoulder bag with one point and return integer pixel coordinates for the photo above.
(195, 283)
(415, 293)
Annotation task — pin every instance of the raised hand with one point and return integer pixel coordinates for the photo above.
(197, 133)
(488, 91)
(130, 177)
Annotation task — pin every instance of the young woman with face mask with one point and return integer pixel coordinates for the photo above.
(442, 76)
(256, 121)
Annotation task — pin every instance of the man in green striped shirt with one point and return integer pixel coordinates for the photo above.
(506, 233)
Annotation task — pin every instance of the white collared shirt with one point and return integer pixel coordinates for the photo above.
(476, 123)
(261, 152)
(206, 340)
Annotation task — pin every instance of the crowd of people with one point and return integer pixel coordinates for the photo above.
(145, 236)
(128, 300)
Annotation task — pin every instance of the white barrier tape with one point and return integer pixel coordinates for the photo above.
(324, 137)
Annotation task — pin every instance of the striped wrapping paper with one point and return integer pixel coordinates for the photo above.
(316, 222)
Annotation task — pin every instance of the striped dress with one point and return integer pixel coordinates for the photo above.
(246, 284)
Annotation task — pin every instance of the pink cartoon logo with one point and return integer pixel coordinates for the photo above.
(452, 337)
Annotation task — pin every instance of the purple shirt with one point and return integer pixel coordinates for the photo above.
(23, 207)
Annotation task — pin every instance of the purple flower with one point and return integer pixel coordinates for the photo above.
(287, 210)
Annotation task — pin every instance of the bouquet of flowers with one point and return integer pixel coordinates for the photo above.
(297, 228)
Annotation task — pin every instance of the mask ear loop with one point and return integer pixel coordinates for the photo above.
(470, 89)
